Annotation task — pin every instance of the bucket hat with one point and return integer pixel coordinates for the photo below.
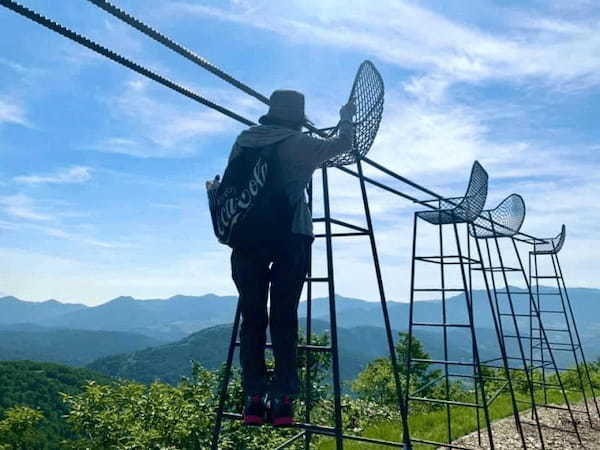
(286, 106)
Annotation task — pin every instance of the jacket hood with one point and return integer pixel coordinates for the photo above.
(263, 135)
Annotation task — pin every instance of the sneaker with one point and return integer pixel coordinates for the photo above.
(254, 411)
(282, 411)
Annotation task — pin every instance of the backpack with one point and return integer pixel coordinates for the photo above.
(250, 207)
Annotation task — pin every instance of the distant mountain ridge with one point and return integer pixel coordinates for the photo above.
(177, 317)
(14, 310)
(156, 339)
(66, 346)
(169, 362)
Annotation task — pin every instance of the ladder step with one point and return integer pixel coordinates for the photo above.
(319, 429)
(350, 233)
(556, 349)
(547, 277)
(444, 402)
(315, 348)
(327, 431)
(514, 336)
(441, 361)
(499, 269)
(550, 311)
(544, 293)
(519, 358)
(317, 279)
(447, 259)
(541, 366)
(551, 329)
(343, 224)
(448, 325)
(439, 290)
(517, 315)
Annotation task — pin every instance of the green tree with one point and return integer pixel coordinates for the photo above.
(376, 382)
(19, 428)
(132, 415)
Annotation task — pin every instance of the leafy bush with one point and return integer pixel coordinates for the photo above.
(18, 430)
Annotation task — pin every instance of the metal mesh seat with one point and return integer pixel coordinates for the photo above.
(465, 209)
(553, 246)
(503, 221)
(367, 94)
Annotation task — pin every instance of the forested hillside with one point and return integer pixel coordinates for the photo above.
(66, 346)
(38, 385)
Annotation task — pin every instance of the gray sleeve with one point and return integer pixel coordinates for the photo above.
(317, 150)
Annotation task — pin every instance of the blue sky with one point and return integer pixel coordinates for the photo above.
(102, 171)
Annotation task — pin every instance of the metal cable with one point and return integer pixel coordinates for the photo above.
(86, 42)
(80, 39)
(166, 41)
(188, 54)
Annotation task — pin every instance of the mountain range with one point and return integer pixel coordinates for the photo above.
(176, 317)
(357, 346)
(156, 339)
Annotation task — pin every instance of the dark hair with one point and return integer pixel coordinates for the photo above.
(281, 123)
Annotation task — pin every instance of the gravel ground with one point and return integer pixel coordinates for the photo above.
(506, 436)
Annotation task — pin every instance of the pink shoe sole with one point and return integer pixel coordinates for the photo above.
(283, 422)
(253, 420)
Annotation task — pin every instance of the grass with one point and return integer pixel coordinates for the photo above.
(432, 425)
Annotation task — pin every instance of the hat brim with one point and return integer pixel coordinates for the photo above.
(271, 120)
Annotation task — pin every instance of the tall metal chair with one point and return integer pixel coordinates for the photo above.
(515, 311)
(555, 306)
(448, 213)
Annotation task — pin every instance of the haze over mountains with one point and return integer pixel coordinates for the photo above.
(178, 316)
(150, 339)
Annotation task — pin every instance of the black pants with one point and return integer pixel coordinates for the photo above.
(288, 263)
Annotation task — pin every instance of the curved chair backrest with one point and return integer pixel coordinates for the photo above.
(503, 221)
(554, 245)
(474, 200)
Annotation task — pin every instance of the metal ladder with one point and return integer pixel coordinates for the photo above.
(555, 306)
(307, 429)
(481, 399)
(517, 311)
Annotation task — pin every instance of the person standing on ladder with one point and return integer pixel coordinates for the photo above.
(280, 261)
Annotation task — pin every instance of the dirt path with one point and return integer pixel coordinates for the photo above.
(506, 436)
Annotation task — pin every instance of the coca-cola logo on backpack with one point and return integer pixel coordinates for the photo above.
(249, 204)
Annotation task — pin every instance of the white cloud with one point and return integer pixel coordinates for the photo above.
(23, 207)
(158, 127)
(13, 112)
(76, 174)
(62, 234)
(557, 52)
(54, 232)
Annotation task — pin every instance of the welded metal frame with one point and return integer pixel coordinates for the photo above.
(481, 399)
(512, 220)
(565, 309)
(450, 212)
(306, 429)
(493, 265)
(496, 320)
